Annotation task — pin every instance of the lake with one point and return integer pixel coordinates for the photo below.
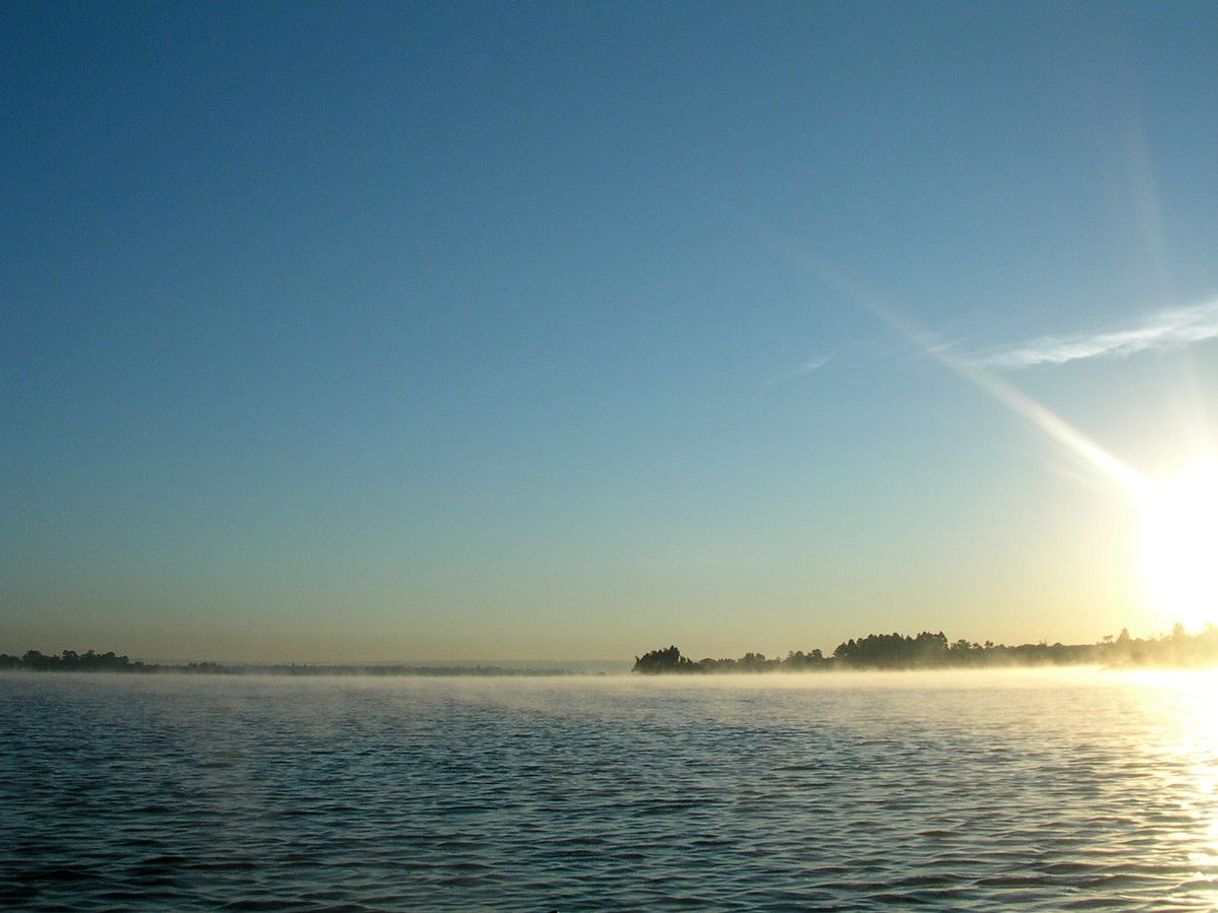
(1023, 790)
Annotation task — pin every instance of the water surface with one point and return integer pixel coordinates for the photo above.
(953, 791)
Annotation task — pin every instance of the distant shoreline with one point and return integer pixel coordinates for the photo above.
(91, 661)
(874, 652)
(927, 651)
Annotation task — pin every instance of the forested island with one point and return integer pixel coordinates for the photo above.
(933, 651)
(91, 661)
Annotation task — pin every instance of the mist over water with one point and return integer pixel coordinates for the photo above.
(1031, 790)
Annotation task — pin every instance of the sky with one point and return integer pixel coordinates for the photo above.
(361, 331)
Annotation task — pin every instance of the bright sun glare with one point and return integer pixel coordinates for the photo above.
(1179, 526)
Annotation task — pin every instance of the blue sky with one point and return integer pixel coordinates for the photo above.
(366, 331)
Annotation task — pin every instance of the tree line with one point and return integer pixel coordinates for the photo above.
(71, 661)
(92, 661)
(934, 651)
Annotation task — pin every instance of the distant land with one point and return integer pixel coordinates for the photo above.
(933, 651)
(92, 661)
(874, 651)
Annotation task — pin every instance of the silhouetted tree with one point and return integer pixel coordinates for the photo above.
(667, 660)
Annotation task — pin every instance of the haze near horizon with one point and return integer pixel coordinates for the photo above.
(423, 332)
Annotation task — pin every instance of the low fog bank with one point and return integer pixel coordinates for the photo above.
(872, 653)
(92, 661)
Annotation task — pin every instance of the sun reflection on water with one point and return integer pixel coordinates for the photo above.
(1186, 705)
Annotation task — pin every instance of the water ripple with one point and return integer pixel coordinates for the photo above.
(862, 794)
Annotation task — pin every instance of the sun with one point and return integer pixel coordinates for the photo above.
(1179, 545)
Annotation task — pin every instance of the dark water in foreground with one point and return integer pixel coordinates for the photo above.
(961, 791)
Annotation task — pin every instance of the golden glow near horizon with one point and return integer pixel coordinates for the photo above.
(1179, 544)
(1178, 516)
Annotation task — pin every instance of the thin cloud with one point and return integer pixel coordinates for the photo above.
(801, 370)
(1168, 329)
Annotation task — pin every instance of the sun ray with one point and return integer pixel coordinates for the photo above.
(1040, 416)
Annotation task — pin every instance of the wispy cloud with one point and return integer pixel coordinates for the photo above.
(803, 369)
(1167, 329)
